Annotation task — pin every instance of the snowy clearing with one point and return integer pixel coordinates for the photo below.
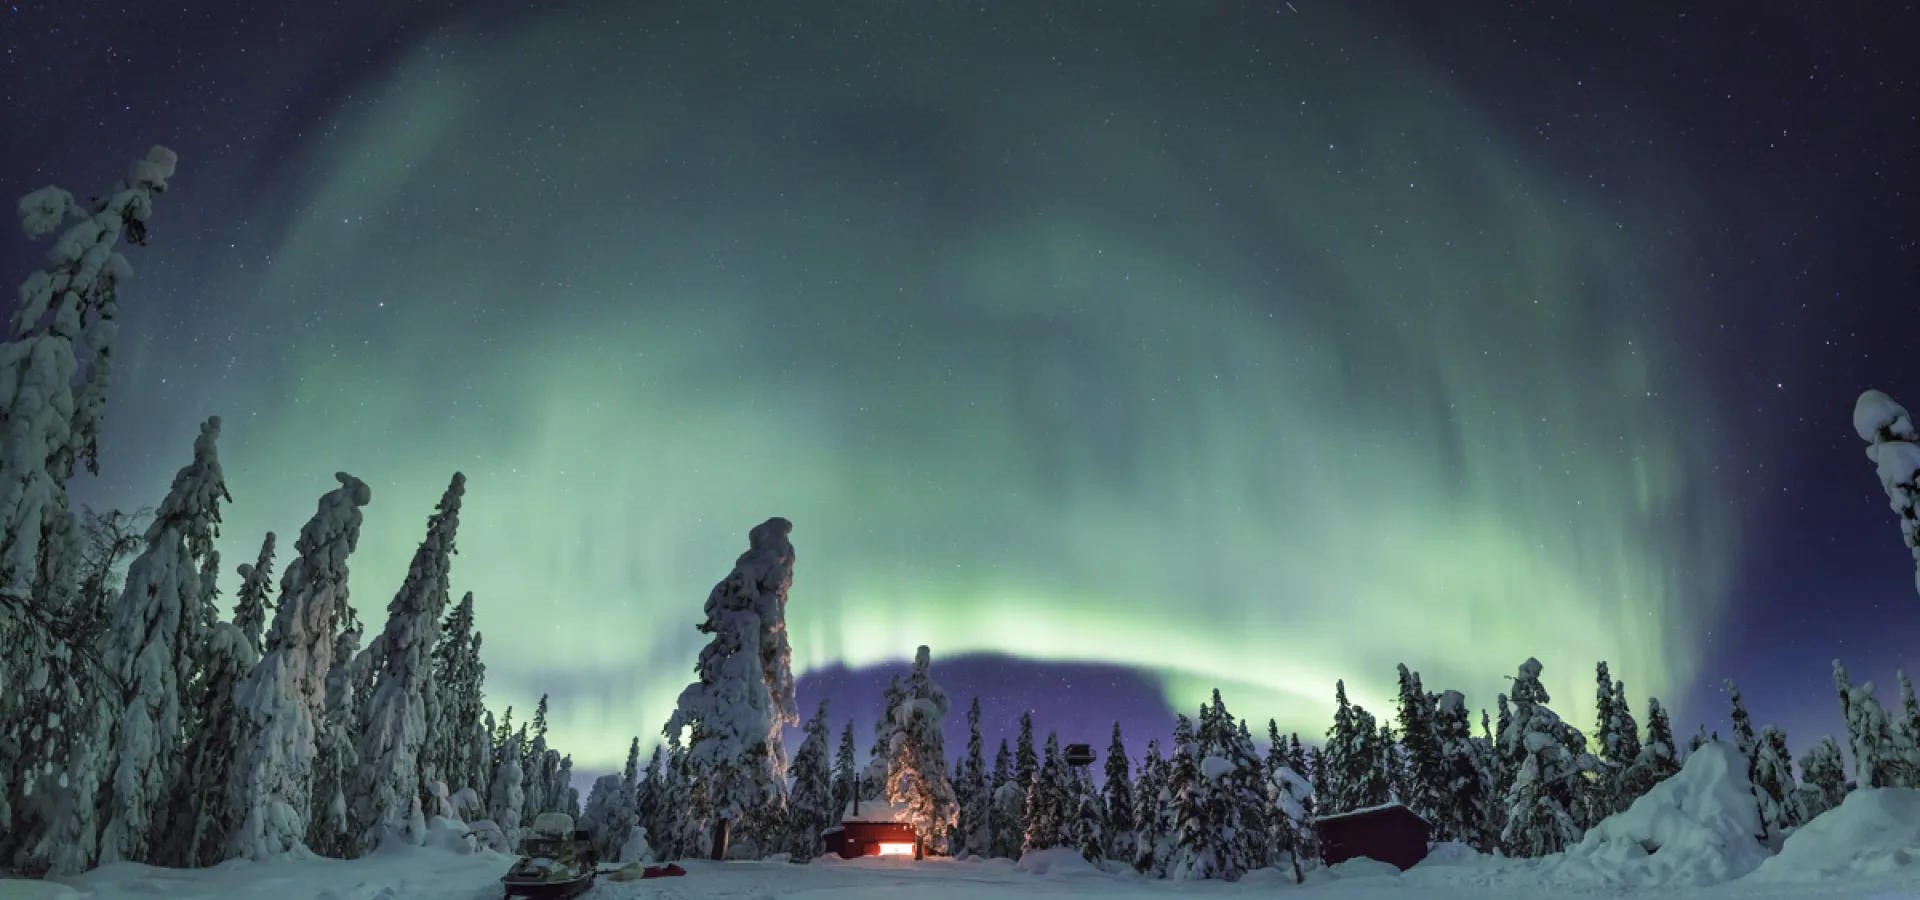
(434, 874)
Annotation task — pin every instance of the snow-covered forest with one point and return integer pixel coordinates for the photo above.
(145, 719)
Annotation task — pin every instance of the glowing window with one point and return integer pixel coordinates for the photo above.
(896, 849)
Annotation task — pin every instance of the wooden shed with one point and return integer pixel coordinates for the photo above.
(872, 829)
(1390, 833)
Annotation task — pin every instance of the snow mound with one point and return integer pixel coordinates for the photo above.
(1452, 853)
(487, 834)
(1055, 862)
(1698, 828)
(636, 849)
(1363, 867)
(554, 824)
(1873, 832)
(451, 835)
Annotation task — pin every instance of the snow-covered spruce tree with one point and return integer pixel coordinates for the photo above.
(1150, 817)
(1424, 771)
(1370, 762)
(282, 700)
(624, 816)
(732, 712)
(1026, 767)
(1894, 448)
(1336, 777)
(1009, 808)
(330, 831)
(1602, 794)
(1823, 780)
(1504, 767)
(599, 809)
(459, 677)
(508, 793)
(649, 804)
(1493, 804)
(1657, 760)
(150, 652)
(1189, 838)
(393, 736)
(1868, 727)
(1086, 826)
(1625, 748)
(917, 767)
(253, 601)
(567, 797)
(200, 821)
(1047, 800)
(1461, 816)
(1773, 781)
(1548, 784)
(843, 772)
(1904, 733)
(879, 772)
(975, 792)
(1243, 802)
(1699, 740)
(1117, 794)
(810, 808)
(1744, 739)
(1290, 821)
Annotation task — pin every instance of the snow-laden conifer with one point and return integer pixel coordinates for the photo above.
(282, 699)
(458, 675)
(1150, 818)
(1026, 767)
(975, 791)
(731, 712)
(1117, 794)
(1461, 814)
(1047, 800)
(150, 651)
(1185, 806)
(624, 816)
(843, 773)
(1894, 448)
(1875, 761)
(1657, 760)
(406, 698)
(1823, 780)
(810, 806)
(1424, 776)
(1539, 821)
(1773, 782)
(918, 762)
(253, 601)
(1009, 808)
(1085, 829)
(201, 803)
(599, 809)
(330, 831)
(509, 791)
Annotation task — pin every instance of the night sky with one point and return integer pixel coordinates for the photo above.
(1116, 351)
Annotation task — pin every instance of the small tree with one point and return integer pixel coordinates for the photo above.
(1118, 794)
(1773, 781)
(253, 601)
(1657, 760)
(1823, 781)
(843, 772)
(810, 810)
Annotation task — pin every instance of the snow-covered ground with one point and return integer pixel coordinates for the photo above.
(434, 874)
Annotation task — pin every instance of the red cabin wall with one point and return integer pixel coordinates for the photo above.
(864, 838)
(1396, 838)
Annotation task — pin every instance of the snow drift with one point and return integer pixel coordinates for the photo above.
(1698, 828)
(1874, 832)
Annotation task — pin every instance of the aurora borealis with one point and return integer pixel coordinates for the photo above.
(1250, 357)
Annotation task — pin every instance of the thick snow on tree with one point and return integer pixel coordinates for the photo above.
(975, 791)
(1026, 767)
(393, 735)
(879, 772)
(917, 768)
(1539, 804)
(1151, 835)
(1894, 448)
(459, 677)
(843, 772)
(1189, 838)
(1009, 801)
(1657, 760)
(1047, 799)
(810, 807)
(1692, 830)
(1424, 775)
(147, 655)
(1875, 761)
(1463, 786)
(508, 792)
(731, 712)
(622, 816)
(1773, 781)
(653, 806)
(1744, 739)
(253, 599)
(1085, 829)
(51, 426)
(282, 699)
(1823, 781)
(330, 831)
(1117, 794)
(202, 808)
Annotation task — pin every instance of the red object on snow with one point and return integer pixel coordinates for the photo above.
(667, 871)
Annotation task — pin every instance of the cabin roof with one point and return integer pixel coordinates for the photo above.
(1372, 811)
(876, 811)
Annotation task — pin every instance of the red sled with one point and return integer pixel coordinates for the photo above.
(667, 871)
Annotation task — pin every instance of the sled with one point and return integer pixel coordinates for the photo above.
(556, 861)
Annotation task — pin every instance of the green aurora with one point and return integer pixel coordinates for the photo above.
(1249, 382)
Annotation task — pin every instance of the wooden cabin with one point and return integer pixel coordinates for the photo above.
(1391, 834)
(872, 829)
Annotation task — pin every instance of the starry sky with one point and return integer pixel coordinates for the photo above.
(1116, 351)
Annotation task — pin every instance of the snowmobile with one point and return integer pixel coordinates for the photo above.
(556, 861)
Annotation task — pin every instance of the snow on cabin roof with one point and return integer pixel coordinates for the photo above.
(1352, 813)
(876, 811)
